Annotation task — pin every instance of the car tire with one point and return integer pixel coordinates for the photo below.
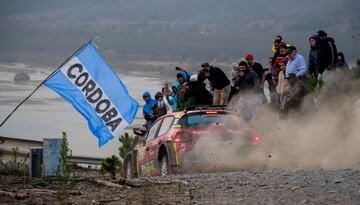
(129, 171)
(164, 166)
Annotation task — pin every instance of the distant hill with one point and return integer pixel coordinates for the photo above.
(44, 31)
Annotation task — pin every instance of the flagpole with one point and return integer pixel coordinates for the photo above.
(42, 82)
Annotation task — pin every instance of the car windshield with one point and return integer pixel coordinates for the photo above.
(207, 120)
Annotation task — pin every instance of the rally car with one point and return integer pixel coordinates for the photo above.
(167, 143)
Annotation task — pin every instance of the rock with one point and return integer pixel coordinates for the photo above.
(22, 77)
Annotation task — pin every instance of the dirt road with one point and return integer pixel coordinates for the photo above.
(268, 187)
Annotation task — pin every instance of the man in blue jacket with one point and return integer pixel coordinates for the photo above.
(148, 109)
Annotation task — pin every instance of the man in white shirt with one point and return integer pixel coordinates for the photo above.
(296, 70)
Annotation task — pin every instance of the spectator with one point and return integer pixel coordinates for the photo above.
(282, 54)
(313, 56)
(257, 67)
(268, 73)
(248, 81)
(327, 52)
(183, 76)
(161, 106)
(296, 70)
(234, 72)
(282, 87)
(278, 39)
(173, 97)
(220, 83)
(341, 63)
(148, 109)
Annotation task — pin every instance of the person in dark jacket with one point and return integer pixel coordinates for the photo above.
(327, 52)
(313, 56)
(341, 61)
(220, 83)
(148, 109)
(257, 67)
(248, 80)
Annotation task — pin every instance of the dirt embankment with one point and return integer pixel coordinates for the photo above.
(267, 187)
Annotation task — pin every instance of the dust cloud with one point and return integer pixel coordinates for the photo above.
(326, 136)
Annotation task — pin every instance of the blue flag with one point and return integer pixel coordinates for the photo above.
(89, 84)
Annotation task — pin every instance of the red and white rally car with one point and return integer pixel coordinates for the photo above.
(168, 142)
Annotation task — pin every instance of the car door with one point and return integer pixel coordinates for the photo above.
(146, 163)
(153, 153)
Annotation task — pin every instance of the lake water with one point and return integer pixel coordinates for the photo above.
(46, 115)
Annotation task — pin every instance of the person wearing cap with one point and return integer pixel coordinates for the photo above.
(327, 52)
(161, 106)
(220, 83)
(257, 67)
(148, 109)
(296, 70)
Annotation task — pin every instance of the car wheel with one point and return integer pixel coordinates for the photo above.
(164, 166)
(129, 170)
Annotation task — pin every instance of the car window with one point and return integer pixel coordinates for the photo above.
(165, 126)
(153, 130)
(205, 120)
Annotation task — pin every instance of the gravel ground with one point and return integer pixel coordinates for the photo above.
(266, 187)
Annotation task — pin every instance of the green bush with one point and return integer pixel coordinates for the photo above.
(110, 165)
(16, 166)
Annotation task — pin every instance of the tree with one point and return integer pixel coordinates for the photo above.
(127, 144)
(110, 165)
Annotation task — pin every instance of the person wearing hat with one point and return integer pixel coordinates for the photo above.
(148, 109)
(327, 53)
(257, 67)
(220, 83)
